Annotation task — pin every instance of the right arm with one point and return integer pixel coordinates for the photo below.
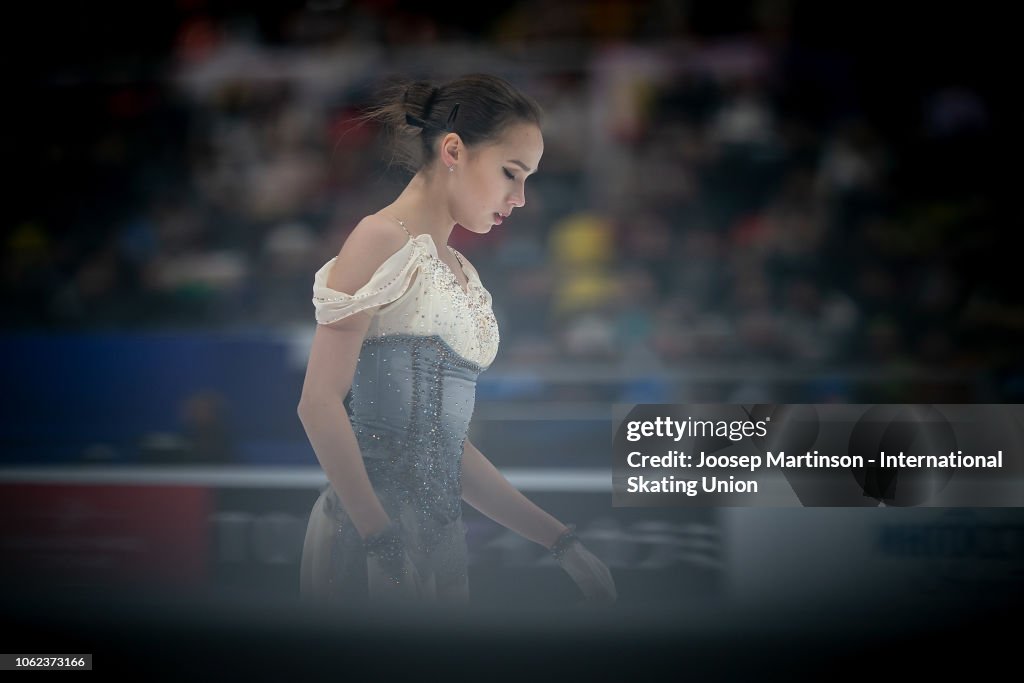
(329, 373)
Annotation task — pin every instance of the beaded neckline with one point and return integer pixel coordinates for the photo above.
(469, 280)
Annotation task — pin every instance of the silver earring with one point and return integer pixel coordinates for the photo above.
(451, 169)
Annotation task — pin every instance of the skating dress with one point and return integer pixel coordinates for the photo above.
(412, 398)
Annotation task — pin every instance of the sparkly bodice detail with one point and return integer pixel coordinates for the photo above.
(412, 400)
(418, 294)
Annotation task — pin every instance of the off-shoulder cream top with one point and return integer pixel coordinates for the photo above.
(417, 293)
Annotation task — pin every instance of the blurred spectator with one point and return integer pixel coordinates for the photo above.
(707, 193)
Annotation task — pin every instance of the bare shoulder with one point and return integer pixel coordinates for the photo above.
(369, 245)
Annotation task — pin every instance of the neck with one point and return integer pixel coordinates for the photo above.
(418, 207)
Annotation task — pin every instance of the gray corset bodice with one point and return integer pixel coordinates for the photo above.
(412, 400)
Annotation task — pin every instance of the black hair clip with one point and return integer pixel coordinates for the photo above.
(429, 106)
(451, 116)
(423, 123)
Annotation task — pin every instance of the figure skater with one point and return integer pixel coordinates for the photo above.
(405, 322)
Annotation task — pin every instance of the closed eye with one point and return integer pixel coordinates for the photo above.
(508, 175)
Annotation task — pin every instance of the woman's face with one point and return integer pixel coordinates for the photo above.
(491, 180)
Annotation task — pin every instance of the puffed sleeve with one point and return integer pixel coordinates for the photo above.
(387, 284)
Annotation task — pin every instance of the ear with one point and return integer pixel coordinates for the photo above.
(452, 149)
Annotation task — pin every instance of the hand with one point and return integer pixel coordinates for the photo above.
(590, 574)
(390, 572)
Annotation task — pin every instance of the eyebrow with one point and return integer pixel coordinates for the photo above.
(521, 165)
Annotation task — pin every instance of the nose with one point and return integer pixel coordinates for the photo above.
(518, 199)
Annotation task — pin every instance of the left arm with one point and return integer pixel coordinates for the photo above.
(487, 489)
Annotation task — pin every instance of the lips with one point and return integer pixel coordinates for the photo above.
(498, 218)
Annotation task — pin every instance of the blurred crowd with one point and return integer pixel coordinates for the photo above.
(710, 191)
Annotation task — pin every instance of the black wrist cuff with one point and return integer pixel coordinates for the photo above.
(564, 542)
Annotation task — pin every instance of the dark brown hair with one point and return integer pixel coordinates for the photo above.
(416, 114)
